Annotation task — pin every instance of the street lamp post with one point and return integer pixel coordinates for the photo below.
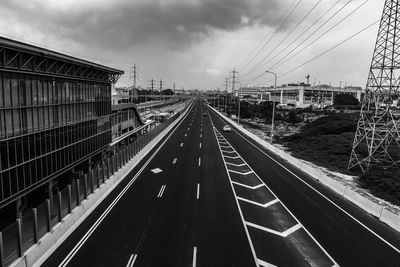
(273, 107)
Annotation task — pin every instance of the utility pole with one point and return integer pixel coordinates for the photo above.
(226, 91)
(235, 78)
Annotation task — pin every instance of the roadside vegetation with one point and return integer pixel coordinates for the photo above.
(323, 137)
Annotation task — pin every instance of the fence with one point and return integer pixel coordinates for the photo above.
(18, 237)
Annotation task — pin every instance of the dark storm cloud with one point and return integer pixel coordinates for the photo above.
(123, 24)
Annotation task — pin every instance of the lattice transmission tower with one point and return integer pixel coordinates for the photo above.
(377, 139)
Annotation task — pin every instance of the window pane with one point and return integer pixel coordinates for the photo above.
(9, 123)
(34, 92)
(2, 125)
(1, 91)
(7, 92)
(28, 91)
(17, 122)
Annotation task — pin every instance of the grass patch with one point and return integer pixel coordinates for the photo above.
(328, 141)
(382, 183)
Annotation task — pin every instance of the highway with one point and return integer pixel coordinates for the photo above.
(214, 198)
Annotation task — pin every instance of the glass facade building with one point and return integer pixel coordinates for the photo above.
(51, 117)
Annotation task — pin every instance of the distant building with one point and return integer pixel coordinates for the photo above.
(301, 95)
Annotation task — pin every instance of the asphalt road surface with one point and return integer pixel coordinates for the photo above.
(215, 198)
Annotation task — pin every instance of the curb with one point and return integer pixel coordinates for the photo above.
(389, 216)
(39, 252)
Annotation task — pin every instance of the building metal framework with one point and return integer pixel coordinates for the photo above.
(377, 138)
(16, 56)
(54, 114)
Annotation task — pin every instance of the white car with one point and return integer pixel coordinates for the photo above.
(227, 128)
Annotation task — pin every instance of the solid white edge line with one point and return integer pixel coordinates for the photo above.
(198, 190)
(76, 248)
(237, 203)
(319, 193)
(194, 256)
(294, 217)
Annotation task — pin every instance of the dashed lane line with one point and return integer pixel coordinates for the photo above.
(161, 191)
(200, 145)
(199, 161)
(174, 161)
(194, 257)
(181, 145)
(198, 191)
(132, 260)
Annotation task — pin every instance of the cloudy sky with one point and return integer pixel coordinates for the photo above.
(196, 43)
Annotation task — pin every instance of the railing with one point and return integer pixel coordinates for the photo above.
(18, 237)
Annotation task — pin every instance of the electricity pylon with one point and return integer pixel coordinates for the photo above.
(377, 139)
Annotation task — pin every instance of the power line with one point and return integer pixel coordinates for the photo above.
(330, 49)
(319, 37)
(316, 30)
(306, 30)
(284, 39)
(266, 36)
(273, 35)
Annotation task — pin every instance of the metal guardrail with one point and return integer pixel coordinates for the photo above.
(19, 236)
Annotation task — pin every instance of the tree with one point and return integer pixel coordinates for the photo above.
(345, 100)
(167, 92)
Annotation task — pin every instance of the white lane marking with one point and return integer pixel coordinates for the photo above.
(237, 165)
(199, 161)
(247, 186)
(265, 264)
(72, 253)
(225, 151)
(188, 129)
(201, 129)
(282, 234)
(174, 161)
(319, 193)
(185, 135)
(309, 234)
(230, 157)
(259, 204)
(237, 205)
(194, 257)
(161, 191)
(241, 173)
(181, 144)
(201, 135)
(132, 260)
(198, 191)
(200, 145)
(156, 170)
